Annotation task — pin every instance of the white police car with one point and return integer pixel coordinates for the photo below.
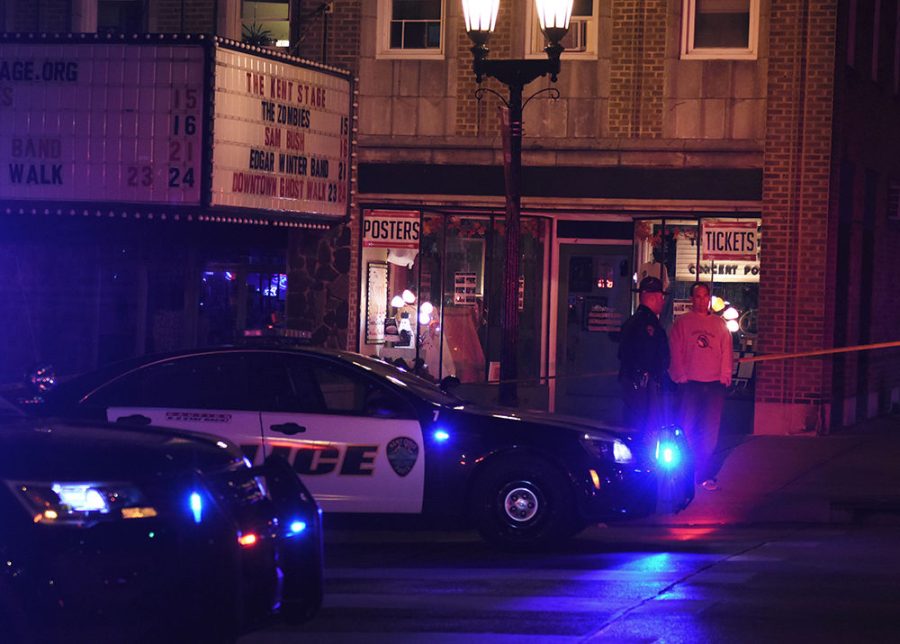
(367, 437)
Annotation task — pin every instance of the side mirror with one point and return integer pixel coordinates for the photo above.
(449, 383)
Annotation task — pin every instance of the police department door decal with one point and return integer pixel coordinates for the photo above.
(402, 453)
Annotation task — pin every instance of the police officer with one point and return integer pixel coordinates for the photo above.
(644, 358)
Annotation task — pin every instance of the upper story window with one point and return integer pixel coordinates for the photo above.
(266, 24)
(120, 16)
(887, 53)
(897, 50)
(581, 39)
(410, 28)
(723, 29)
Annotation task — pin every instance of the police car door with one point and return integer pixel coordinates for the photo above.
(202, 392)
(355, 442)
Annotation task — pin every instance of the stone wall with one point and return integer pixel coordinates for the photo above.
(319, 281)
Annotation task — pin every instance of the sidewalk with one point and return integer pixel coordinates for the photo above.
(849, 476)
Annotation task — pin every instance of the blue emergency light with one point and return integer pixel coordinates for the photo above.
(196, 502)
(296, 527)
(668, 453)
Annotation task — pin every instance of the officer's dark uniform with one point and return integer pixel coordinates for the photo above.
(643, 370)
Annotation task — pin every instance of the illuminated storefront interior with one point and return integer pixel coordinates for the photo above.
(430, 295)
(430, 292)
(721, 251)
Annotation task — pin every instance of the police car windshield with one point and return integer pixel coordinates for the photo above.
(419, 386)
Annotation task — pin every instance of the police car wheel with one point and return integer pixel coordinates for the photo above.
(524, 504)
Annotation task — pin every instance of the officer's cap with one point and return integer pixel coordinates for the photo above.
(651, 285)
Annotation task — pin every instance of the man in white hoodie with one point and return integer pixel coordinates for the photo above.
(701, 365)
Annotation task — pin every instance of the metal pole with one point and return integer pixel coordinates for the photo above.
(509, 322)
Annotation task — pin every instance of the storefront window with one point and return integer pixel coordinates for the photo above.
(451, 267)
(233, 300)
(391, 297)
(723, 252)
(430, 310)
(533, 237)
(465, 308)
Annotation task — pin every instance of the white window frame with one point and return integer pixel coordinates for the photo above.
(384, 50)
(897, 51)
(265, 22)
(876, 42)
(688, 51)
(893, 200)
(534, 39)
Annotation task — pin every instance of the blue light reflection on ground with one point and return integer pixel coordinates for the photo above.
(661, 604)
(655, 563)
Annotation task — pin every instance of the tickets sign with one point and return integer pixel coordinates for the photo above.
(729, 252)
(733, 241)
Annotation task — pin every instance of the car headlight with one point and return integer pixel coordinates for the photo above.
(80, 503)
(606, 449)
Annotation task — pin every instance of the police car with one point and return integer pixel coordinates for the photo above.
(367, 437)
(127, 534)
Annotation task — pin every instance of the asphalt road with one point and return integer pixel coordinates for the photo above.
(624, 584)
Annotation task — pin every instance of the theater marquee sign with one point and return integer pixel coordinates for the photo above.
(282, 136)
(101, 122)
(197, 123)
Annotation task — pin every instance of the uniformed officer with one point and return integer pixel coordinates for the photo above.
(644, 358)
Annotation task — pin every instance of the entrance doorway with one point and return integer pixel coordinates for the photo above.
(594, 299)
(237, 297)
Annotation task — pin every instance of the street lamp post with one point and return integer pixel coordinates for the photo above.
(481, 18)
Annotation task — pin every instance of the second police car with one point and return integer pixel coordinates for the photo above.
(128, 534)
(369, 438)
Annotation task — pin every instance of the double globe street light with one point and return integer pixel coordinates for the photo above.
(481, 19)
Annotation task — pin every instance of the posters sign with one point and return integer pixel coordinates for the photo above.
(391, 229)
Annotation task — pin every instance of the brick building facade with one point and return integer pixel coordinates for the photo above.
(667, 121)
(793, 131)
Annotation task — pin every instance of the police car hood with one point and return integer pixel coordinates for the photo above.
(555, 421)
(32, 449)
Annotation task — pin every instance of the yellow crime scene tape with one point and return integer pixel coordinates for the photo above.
(821, 352)
(746, 359)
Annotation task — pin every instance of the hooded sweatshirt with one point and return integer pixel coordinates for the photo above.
(700, 345)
